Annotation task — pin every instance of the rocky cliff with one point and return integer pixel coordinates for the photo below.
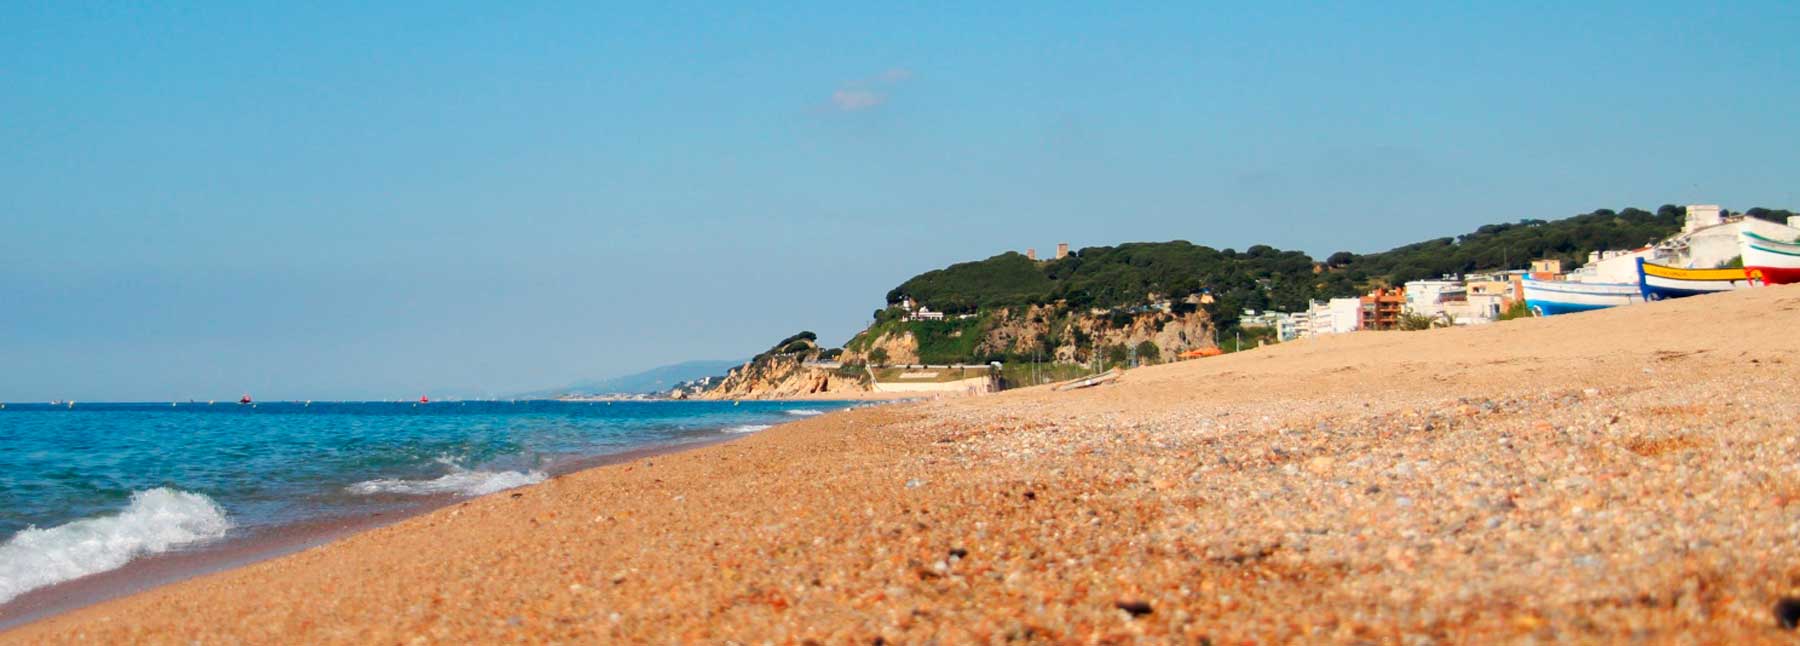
(790, 369)
(1040, 332)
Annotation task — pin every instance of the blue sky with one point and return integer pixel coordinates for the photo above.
(344, 202)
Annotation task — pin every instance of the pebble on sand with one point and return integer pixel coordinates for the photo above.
(1137, 607)
(1787, 612)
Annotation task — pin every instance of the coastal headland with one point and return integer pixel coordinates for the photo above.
(1627, 474)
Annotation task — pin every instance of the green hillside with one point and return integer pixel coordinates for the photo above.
(1264, 277)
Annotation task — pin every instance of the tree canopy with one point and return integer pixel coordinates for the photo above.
(1263, 277)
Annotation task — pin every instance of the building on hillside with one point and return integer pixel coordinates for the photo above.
(1708, 239)
(1253, 319)
(1336, 316)
(1381, 309)
(1287, 328)
(1700, 216)
(1301, 323)
(1286, 325)
(1472, 300)
(1031, 254)
(1062, 250)
(1546, 269)
(1428, 297)
(925, 314)
(1476, 309)
(1504, 284)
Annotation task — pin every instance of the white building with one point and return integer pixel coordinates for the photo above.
(1456, 301)
(1476, 309)
(1287, 326)
(1336, 316)
(925, 314)
(1428, 297)
(1700, 216)
(1708, 239)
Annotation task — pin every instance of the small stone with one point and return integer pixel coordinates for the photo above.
(1787, 612)
(914, 483)
(960, 553)
(1136, 607)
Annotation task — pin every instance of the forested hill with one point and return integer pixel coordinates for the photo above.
(1264, 277)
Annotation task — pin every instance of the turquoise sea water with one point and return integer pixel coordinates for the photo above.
(86, 488)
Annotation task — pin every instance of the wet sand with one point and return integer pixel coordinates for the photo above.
(1624, 475)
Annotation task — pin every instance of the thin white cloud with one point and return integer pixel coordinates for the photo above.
(852, 100)
(863, 94)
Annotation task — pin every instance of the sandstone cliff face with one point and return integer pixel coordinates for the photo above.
(902, 349)
(1050, 332)
(782, 376)
(1056, 334)
(1171, 333)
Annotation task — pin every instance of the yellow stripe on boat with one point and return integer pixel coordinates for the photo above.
(1676, 273)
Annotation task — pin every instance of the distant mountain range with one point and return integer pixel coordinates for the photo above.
(653, 380)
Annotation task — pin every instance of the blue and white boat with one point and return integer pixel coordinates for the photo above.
(1552, 297)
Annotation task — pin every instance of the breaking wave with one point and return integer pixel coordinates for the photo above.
(458, 481)
(748, 428)
(157, 520)
(804, 412)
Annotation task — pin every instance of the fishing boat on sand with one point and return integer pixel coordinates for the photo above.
(1662, 281)
(1769, 261)
(1552, 297)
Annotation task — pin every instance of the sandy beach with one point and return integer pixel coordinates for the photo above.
(1623, 475)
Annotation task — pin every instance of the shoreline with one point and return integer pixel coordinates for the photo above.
(164, 569)
(1619, 475)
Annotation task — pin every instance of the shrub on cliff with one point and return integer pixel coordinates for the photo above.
(1148, 353)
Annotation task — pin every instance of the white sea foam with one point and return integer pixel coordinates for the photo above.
(458, 481)
(157, 520)
(804, 412)
(748, 428)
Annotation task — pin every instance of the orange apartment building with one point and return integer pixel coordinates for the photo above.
(1381, 309)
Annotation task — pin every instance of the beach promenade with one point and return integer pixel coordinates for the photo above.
(1629, 474)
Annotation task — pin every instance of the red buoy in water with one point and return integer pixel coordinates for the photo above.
(424, 400)
(245, 399)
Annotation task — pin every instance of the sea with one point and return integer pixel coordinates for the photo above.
(87, 488)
